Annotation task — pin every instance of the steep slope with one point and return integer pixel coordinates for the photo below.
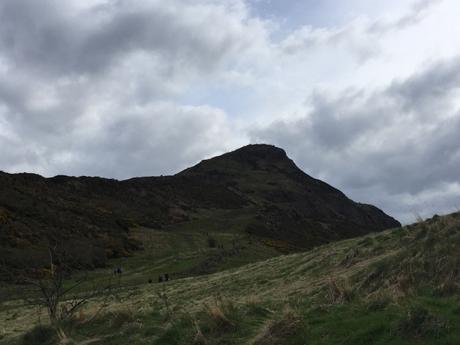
(269, 198)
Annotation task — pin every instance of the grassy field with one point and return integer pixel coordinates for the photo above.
(400, 286)
(181, 250)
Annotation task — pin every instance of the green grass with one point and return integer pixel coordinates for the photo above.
(400, 286)
(180, 251)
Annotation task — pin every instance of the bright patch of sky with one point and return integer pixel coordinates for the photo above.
(292, 14)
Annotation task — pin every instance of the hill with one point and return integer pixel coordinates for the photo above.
(399, 286)
(255, 192)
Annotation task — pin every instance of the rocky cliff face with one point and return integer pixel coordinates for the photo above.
(93, 216)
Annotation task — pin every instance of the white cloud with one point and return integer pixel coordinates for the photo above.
(361, 94)
(400, 140)
(95, 85)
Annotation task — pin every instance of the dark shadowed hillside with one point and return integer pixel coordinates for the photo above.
(269, 198)
(291, 206)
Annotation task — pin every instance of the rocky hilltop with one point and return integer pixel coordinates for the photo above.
(93, 217)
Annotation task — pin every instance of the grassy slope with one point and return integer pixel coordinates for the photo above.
(182, 250)
(396, 287)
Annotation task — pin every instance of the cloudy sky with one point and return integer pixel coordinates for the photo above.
(363, 94)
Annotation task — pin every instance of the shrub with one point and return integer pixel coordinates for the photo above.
(338, 293)
(349, 259)
(118, 319)
(448, 288)
(365, 242)
(3, 216)
(420, 322)
(40, 334)
(277, 332)
(179, 332)
(379, 303)
(212, 243)
(221, 317)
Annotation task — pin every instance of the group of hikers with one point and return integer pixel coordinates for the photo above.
(161, 278)
(117, 271)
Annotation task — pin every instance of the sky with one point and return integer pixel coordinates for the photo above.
(363, 94)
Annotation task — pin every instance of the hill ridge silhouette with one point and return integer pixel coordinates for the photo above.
(271, 198)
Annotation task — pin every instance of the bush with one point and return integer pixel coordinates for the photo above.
(220, 317)
(378, 303)
(40, 335)
(179, 332)
(279, 331)
(339, 293)
(118, 319)
(212, 243)
(448, 288)
(420, 322)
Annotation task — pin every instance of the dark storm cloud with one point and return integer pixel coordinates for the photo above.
(35, 34)
(429, 93)
(402, 140)
(47, 36)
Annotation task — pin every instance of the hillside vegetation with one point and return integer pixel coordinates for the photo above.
(255, 191)
(399, 286)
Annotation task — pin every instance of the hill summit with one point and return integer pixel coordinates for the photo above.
(250, 157)
(255, 191)
(291, 205)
